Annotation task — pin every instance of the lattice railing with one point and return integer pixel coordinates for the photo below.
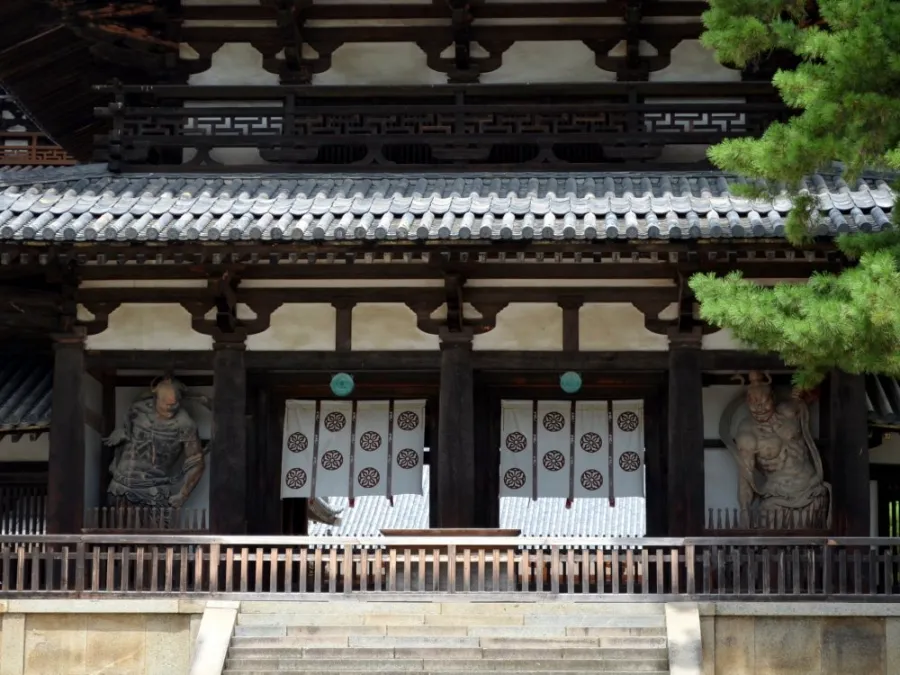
(620, 569)
(452, 125)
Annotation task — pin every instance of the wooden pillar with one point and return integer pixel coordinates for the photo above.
(655, 431)
(487, 460)
(685, 436)
(228, 457)
(848, 451)
(65, 479)
(454, 477)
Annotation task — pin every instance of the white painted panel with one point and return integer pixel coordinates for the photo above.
(25, 450)
(715, 400)
(616, 327)
(341, 283)
(235, 63)
(388, 326)
(94, 472)
(202, 417)
(150, 326)
(372, 63)
(723, 339)
(524, 326)
(548, 62)
(297, 327)
(720, 479)
(692, 62)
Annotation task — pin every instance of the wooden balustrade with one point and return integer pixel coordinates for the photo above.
(145, 519)
(761, 522)
(610, 569)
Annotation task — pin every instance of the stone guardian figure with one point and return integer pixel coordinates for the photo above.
(781, 479)
(159, 457)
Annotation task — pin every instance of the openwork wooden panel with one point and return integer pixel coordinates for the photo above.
(22, 142)
(483, 126)
(594, 570)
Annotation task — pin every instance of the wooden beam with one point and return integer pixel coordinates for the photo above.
(454, 462)
(849, 454)
(655, 437)
(686, 486)
(487, 458)
(228, 458)
(412, 361)
(65, 480)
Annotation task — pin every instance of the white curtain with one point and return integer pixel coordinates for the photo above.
(352, 448)
(564, 449)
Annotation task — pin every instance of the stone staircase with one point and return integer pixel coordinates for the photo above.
(448, 637)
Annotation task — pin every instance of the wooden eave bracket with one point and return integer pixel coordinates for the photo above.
(462, 68)
(455, 322)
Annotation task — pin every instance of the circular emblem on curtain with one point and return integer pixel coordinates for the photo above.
(335, 421)
(342, 384)
(370, 441)
(554, 421)
(368, 477)
(514, 479)
(591, 442)
(592, 480)
(630, 461)
(516, 442)
(628, 421)
(554, 460)
(295, 479)
(332, 460)
(407, 458)
(297, 442)
(407, 420)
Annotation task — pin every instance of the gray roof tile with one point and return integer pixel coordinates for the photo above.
(87, 203)
(541, 518)
(26, 389)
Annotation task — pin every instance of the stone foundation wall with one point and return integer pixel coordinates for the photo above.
(800, 639)
(127, 637)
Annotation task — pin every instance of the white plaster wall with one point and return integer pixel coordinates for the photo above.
(93, 471)
(723, 339)
(524, 326)
(149, 326)
(388, 326)
(25, 450)
(379, 63)
(548, 62)
(125, 396)
(720, 480)
(691, 61)
(616, 327)
(298, 327)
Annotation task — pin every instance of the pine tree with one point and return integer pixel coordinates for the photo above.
(847, 89)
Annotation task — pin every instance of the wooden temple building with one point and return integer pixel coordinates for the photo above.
(258, 254)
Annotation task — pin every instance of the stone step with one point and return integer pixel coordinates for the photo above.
(444, 631)
(294, 642)
(569, 621)
(517, 642)
(463, 608)
(441, 652)
(442, 672)
(427, 665)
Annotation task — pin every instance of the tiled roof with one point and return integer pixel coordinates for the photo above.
(883, 400)
(541, 518)
(87, 203)
(26, 390)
